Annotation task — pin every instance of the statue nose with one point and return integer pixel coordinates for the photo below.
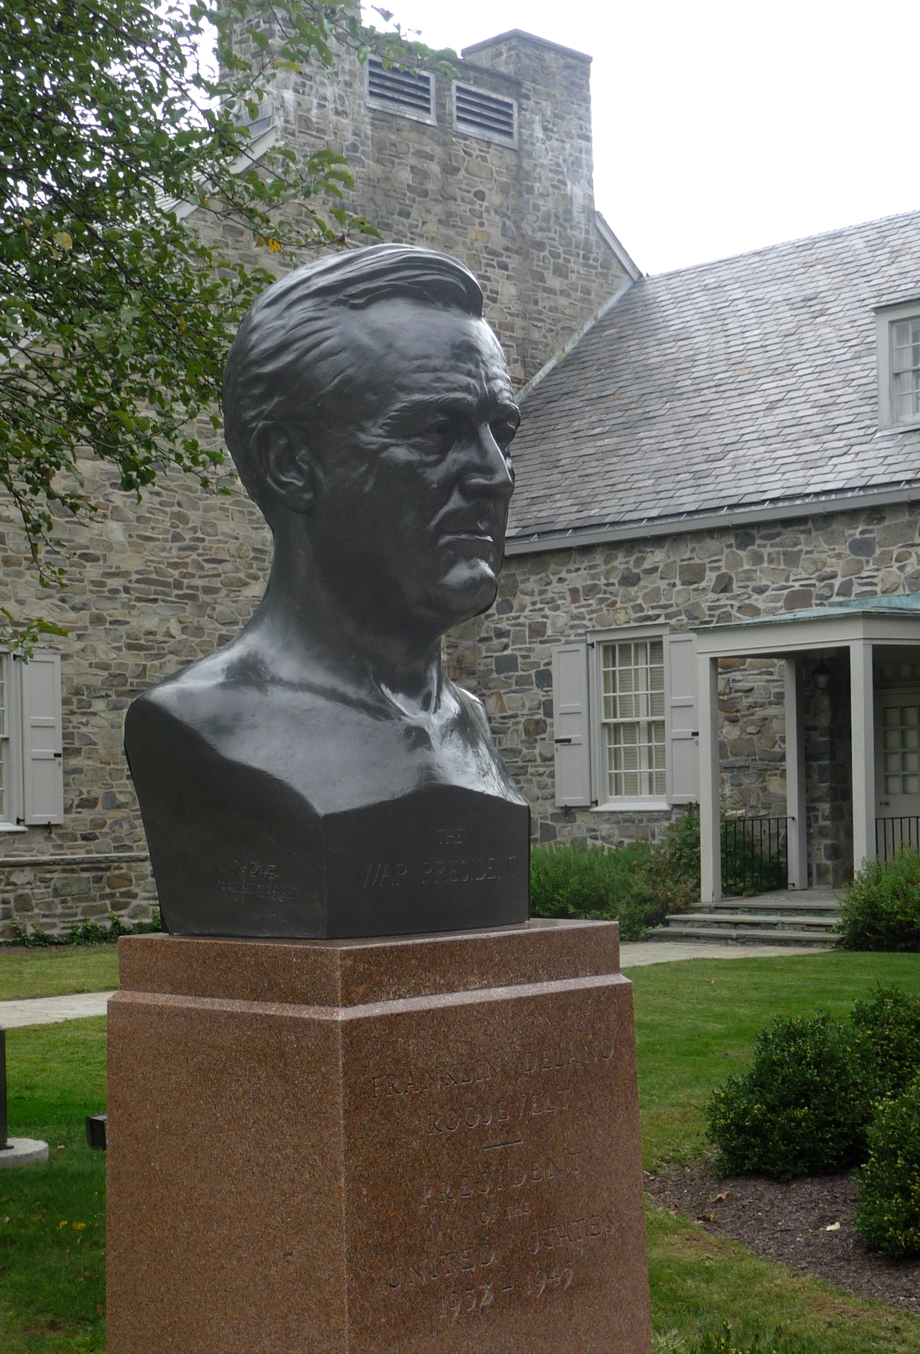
(491, 471)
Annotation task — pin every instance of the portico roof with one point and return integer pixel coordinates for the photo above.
(878, 620)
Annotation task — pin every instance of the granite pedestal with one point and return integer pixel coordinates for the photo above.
(422, 1145)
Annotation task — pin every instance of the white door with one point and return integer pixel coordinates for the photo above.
(897, 768)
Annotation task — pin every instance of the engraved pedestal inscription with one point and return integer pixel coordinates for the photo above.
(513, 1206)
(420, 1146)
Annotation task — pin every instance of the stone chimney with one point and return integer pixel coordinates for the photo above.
(493, 166)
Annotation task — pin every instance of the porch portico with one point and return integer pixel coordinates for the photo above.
(869, 631)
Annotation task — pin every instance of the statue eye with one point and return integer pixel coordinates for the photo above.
(503, 433)
(441, 427)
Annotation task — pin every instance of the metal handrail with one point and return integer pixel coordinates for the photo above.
(755, 856)
(893, 833)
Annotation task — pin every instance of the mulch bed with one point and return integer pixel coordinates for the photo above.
(808, 1224)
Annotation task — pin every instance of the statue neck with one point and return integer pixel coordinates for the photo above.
(304, 634)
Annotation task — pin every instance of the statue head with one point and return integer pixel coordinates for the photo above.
(369, 412)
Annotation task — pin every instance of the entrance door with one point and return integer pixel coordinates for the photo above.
(897, 769)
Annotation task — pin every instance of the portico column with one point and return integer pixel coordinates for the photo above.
(710, 838)
(796, 842)
(862, 722)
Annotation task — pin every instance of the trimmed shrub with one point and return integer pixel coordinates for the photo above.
(86, 932)
(637, 884)
(888, 1211)
(881, 908)
(889, 1023)
(670, 879)
(574, 880)
(803, 1106)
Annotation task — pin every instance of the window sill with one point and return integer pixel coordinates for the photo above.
(891, 428)
(632, 805)
(12, 827)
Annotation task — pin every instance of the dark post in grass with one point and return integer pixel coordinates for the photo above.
(4, 1145)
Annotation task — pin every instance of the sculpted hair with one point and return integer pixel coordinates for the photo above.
(288, 350)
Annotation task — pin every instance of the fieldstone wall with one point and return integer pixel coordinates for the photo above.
(54, 892)
(163, 583)
(154, 586)
(681, 581)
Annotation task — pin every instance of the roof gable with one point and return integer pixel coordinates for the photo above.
(749, 381)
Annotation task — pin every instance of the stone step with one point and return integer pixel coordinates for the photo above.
(777, 905)
(749, 919)
(753, 938)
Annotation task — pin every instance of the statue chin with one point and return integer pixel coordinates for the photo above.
(469, 589)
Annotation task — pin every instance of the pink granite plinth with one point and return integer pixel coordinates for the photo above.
(422, 1145)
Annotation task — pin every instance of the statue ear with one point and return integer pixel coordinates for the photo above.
(287, 466)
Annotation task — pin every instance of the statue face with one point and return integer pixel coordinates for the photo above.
(413, 473)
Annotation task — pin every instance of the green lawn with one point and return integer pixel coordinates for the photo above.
(52, 1263)
(696, 1021)
(58, 971)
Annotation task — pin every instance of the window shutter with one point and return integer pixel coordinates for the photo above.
(571, 738)
(683, 728)
(42, 739)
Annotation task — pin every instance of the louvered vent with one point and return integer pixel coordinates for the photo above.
(264, 119)
(400, 91)
(483, 114)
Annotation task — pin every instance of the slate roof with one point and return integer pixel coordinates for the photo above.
(749, 381)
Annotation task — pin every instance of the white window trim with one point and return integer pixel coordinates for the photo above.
(382, 106)
(885, 317)
(11, 819)
(35, 737)
(483, 134)
(596, 642)
(580, 761)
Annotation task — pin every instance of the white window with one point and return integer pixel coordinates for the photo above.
(31, 752)
(409, 93)
(901, 753)
(624, 708)
(898, 334)
(479, 113)
(632, 719)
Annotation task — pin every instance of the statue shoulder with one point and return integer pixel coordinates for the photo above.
(474, 708)
(194, 696)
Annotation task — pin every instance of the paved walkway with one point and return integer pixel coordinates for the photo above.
(636, 953)
(52, 1010)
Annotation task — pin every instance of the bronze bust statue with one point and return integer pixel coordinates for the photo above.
(321, 776)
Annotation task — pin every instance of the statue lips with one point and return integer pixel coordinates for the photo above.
(472, 535)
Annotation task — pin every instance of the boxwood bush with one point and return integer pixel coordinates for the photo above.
(881, 908)
(636, 884)
(888, 1212)
(802, 1107)
(889, 1022)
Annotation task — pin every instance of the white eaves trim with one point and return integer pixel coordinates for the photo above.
(531, 543)
(631, 269)
(263, 143)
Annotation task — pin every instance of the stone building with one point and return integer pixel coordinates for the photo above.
(728, 445)
(734, 445)
(493, 165)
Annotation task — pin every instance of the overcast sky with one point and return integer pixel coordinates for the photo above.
(721, 126)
